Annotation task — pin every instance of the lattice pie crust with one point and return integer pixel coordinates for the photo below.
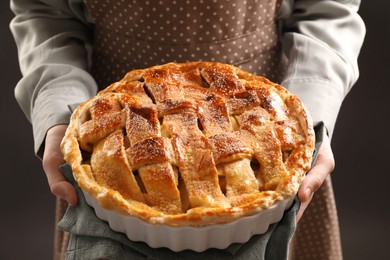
(190, 144)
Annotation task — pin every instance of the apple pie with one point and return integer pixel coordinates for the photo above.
(190, 144)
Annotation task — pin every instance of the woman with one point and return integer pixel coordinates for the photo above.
(70, 49)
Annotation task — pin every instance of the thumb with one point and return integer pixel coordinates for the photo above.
(64, 190)
(52, 159)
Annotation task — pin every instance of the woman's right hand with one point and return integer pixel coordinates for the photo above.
(52, 159)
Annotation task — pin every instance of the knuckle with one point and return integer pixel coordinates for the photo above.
(58, 189)
(318, 181)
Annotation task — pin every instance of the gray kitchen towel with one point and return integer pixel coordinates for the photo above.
(92, 238)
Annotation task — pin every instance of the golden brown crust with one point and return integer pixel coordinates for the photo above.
(190, 144)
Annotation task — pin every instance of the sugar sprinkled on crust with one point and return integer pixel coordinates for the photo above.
(202, 142)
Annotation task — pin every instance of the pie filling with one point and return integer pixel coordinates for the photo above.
(200, 139)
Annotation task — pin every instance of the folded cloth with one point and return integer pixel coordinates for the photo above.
(92, 238)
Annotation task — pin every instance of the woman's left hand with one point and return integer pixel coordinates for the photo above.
(316, 176)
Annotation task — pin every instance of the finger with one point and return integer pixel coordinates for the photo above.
(314, 179)
(323, 166)
(303, 207)
(59, 186)
(65, 190)
(52, 159)
(313, 182)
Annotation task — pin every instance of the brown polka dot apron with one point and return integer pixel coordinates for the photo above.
(141, 33)
(138, 34)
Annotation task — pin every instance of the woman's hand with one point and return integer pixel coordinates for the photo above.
(52, 159)
(316, 176)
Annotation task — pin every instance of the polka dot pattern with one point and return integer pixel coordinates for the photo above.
(137, 34)
(318, 235)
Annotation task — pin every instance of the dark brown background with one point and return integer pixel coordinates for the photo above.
(361, 147)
